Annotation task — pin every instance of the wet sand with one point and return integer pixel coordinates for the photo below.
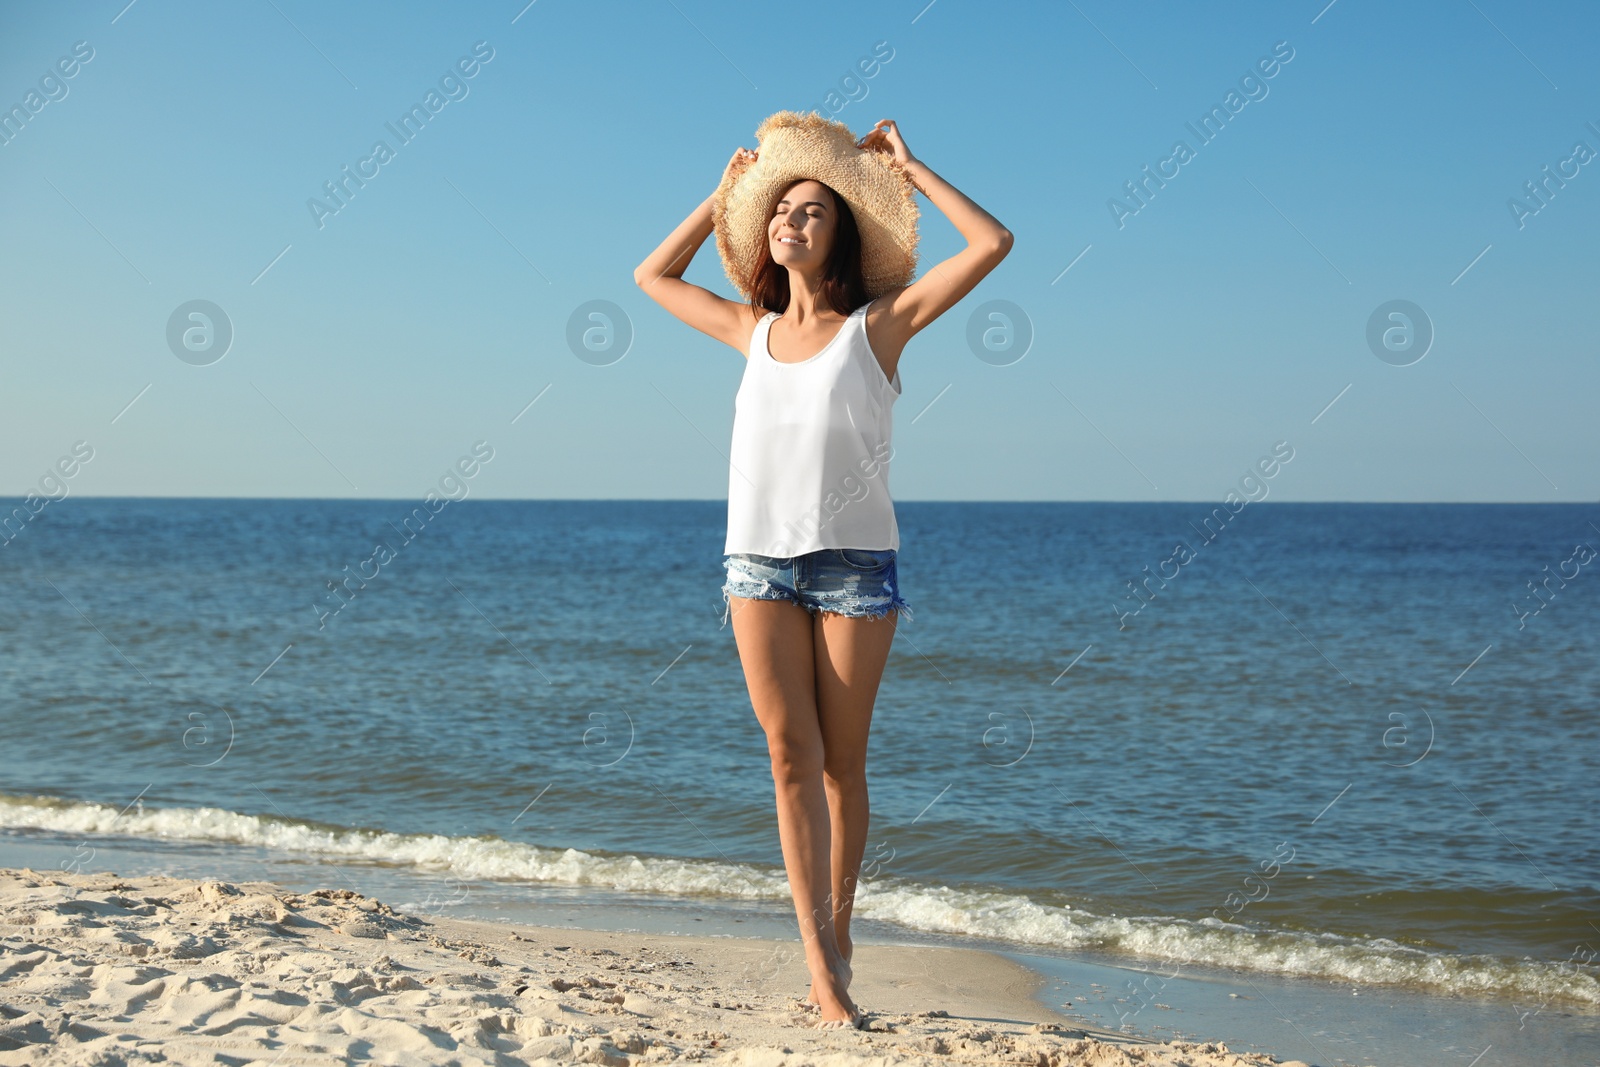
(100, 968)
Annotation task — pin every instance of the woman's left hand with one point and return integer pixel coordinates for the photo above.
(885, 137)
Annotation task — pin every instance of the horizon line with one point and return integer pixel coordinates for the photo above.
(723, 500)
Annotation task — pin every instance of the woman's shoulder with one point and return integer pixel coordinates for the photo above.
(882, 305)
(753, 317)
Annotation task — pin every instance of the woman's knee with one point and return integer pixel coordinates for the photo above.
(845, 774)
(795, 760)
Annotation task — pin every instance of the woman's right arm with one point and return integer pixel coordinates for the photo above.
(661, 277)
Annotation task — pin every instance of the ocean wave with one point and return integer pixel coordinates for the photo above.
(996, 914)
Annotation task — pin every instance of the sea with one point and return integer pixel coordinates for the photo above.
(1320, 779)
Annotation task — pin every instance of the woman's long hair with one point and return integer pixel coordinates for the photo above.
(842, 286)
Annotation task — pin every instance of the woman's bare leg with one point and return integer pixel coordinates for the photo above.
(850, 657)
(775, 647)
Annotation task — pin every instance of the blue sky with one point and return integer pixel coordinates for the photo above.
(1225, 315)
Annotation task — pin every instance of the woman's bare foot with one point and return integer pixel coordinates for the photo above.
(834, 1003)
(845, 949)
(858, 1021)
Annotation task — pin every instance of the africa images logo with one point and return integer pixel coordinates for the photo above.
(452, 83)
(1252, 84)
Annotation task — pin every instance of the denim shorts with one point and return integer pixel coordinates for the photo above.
(857, 582)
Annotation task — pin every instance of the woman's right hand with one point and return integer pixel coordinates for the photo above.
(742, 157)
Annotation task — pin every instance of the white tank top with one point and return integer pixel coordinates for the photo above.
(809, 467)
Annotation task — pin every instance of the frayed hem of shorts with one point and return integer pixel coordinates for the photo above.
(768, 592)
(897, 606)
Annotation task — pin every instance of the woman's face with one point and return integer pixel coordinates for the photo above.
(802, 226)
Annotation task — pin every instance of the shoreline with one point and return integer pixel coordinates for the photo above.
(522, 881)
(103, 968)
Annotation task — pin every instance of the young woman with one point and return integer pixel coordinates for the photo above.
(812, 587)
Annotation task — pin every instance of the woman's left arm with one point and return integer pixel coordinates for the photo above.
(981, 229)
(937, 291)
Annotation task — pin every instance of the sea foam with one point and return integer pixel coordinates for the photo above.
(996, 914)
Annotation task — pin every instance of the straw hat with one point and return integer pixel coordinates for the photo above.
(792, 146)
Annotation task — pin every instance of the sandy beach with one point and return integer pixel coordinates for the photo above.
(103, 969)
